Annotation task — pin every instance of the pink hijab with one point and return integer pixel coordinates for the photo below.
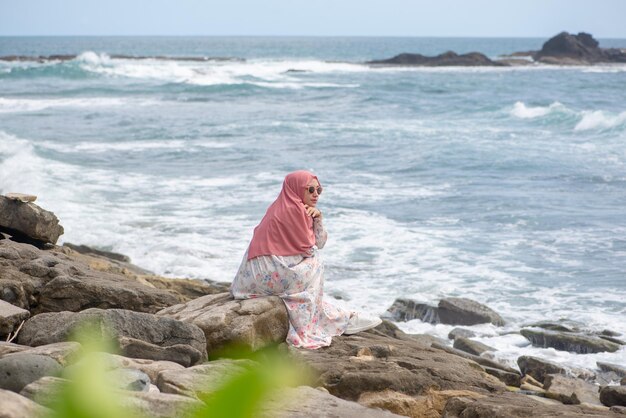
(286, 229)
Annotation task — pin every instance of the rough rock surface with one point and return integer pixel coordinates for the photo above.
(137, 334)
(10, 317)
(566, 48)
(406, 309)
(18, 370)
(461, 332)
(447, 59)
(610, 367)
(17, 406)
(566, 341)
(454, 311)
(64, 353)
(28, 222)
(538, 368)
(613, 395)
(51, 281)
(405, 366)
(251, 323)
(570, 391)
(508, 378)
(483, 361)
(471, 346)
(128, 379)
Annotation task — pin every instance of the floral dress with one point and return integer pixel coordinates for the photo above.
(299, 281)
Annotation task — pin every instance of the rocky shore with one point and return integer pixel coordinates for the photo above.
(171, 335)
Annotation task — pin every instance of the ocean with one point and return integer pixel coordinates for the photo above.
(503, 185)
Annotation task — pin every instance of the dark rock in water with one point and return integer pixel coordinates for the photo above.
(447, 59)
(461, 332)
(610, 333)
(407, 309)
(613, 339)
(470, 346)
(538, 368)
(83, 249)
(613, 395)
(463, 311)
(568, 49)
(570, 391)
(508, 378)
(138, 335)
(20, 369)
(29, 222)
(578, 343)
(554, 326)
(610, 367)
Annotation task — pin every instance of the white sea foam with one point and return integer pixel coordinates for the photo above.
(597, 119)
(522, 111)
(18, 105)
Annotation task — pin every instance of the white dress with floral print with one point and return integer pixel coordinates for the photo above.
(299, 281)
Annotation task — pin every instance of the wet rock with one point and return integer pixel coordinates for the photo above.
(18, 370)
(463, 311)
(461, 332)
(508, 378)
(480, 360)
(555, 326)
(64, 353)
(613, 395)
(137, 334)
(538, 368)
(407, 309)
(570, 391)
(610, 367)
(249, 323)
(613, 339)
(578, 343)
(29, 222)
(610, 333)
(83, 249)
(623, 381)
(10, 317)
(17, 406)
(470, 346)
(581, 49)
(447, 59)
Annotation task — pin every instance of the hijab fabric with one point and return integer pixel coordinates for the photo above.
(286, 229)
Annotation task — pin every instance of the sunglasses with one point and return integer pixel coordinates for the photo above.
(311, 189)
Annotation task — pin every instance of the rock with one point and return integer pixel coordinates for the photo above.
(306, 402)
(480, 360)
(618, 409)
(461, 332)
(407, 309)
(188, 289)
(623, 381)
(582, 344)
(470, 346)
(29, 222)
(200, 380)
(51, 281)
(129, 379)
(570, 391)
(408, 367)
(529, 379)
(613, 339)
(45, 390)
(538, 368)
(610, 367)
(537, 390)
(508, 378)
(109, 361)
(554, 326)
(447, 59)
(63, 353)
(17, 406)
(512, 405)
(21, 197)
(464, 311)
(429, 405)
(613, 395)
(137, 334)
(249, 323)
(10, 317)
(610, 333)
(20, 369)
(83, 249)
(576, 49)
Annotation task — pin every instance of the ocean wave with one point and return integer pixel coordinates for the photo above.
(14, 105)
(520, 110)
(598, 119)
(141, 145)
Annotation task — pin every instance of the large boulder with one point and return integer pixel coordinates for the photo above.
(404, 309)
(10, 317)
(136, 334)
(567, 341)
(17, 406)
(538, 368)
(570, 390)
(570, 49)
(64, 353)
(18, 370)
(613, 395)
(250, 323)
(453, 311)
(619, 370)
(28, 222)
(471, 346)
(483, 361)
(52, 281)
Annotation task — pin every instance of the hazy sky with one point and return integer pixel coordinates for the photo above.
(520, 18)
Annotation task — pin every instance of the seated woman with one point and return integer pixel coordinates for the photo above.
(283, 260)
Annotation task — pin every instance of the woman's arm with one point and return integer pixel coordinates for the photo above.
(320, 232)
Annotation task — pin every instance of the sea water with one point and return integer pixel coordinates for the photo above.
(503, 185)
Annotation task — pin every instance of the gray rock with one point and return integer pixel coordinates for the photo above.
(45, 390)
(508, 378)
(470, 346)
(129, 379)
(407, 310)
(538, 368)
(483, 361)
(20, 369)
(610, 367)
(461, 332)
(578, 49)
(10, 317)
(618, 409)
(137, 334)
(623, 381)
(613, 395)
(610, 333)
(28, 221)
(17, 406)
(463, 311)
(578, 343)
(447, 59)
(64, 353)
(250, 323)
(570, 391)
(83, 249)
(555, 326)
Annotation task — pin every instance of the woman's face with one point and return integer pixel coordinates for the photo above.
(311, 198)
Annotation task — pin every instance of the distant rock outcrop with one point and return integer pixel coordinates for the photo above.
(581, 49)
(447, 59)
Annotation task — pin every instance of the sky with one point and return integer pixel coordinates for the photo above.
(439, 18)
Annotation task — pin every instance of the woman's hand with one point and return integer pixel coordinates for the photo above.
(313, 212)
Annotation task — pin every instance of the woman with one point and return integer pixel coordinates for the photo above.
(283, 260)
